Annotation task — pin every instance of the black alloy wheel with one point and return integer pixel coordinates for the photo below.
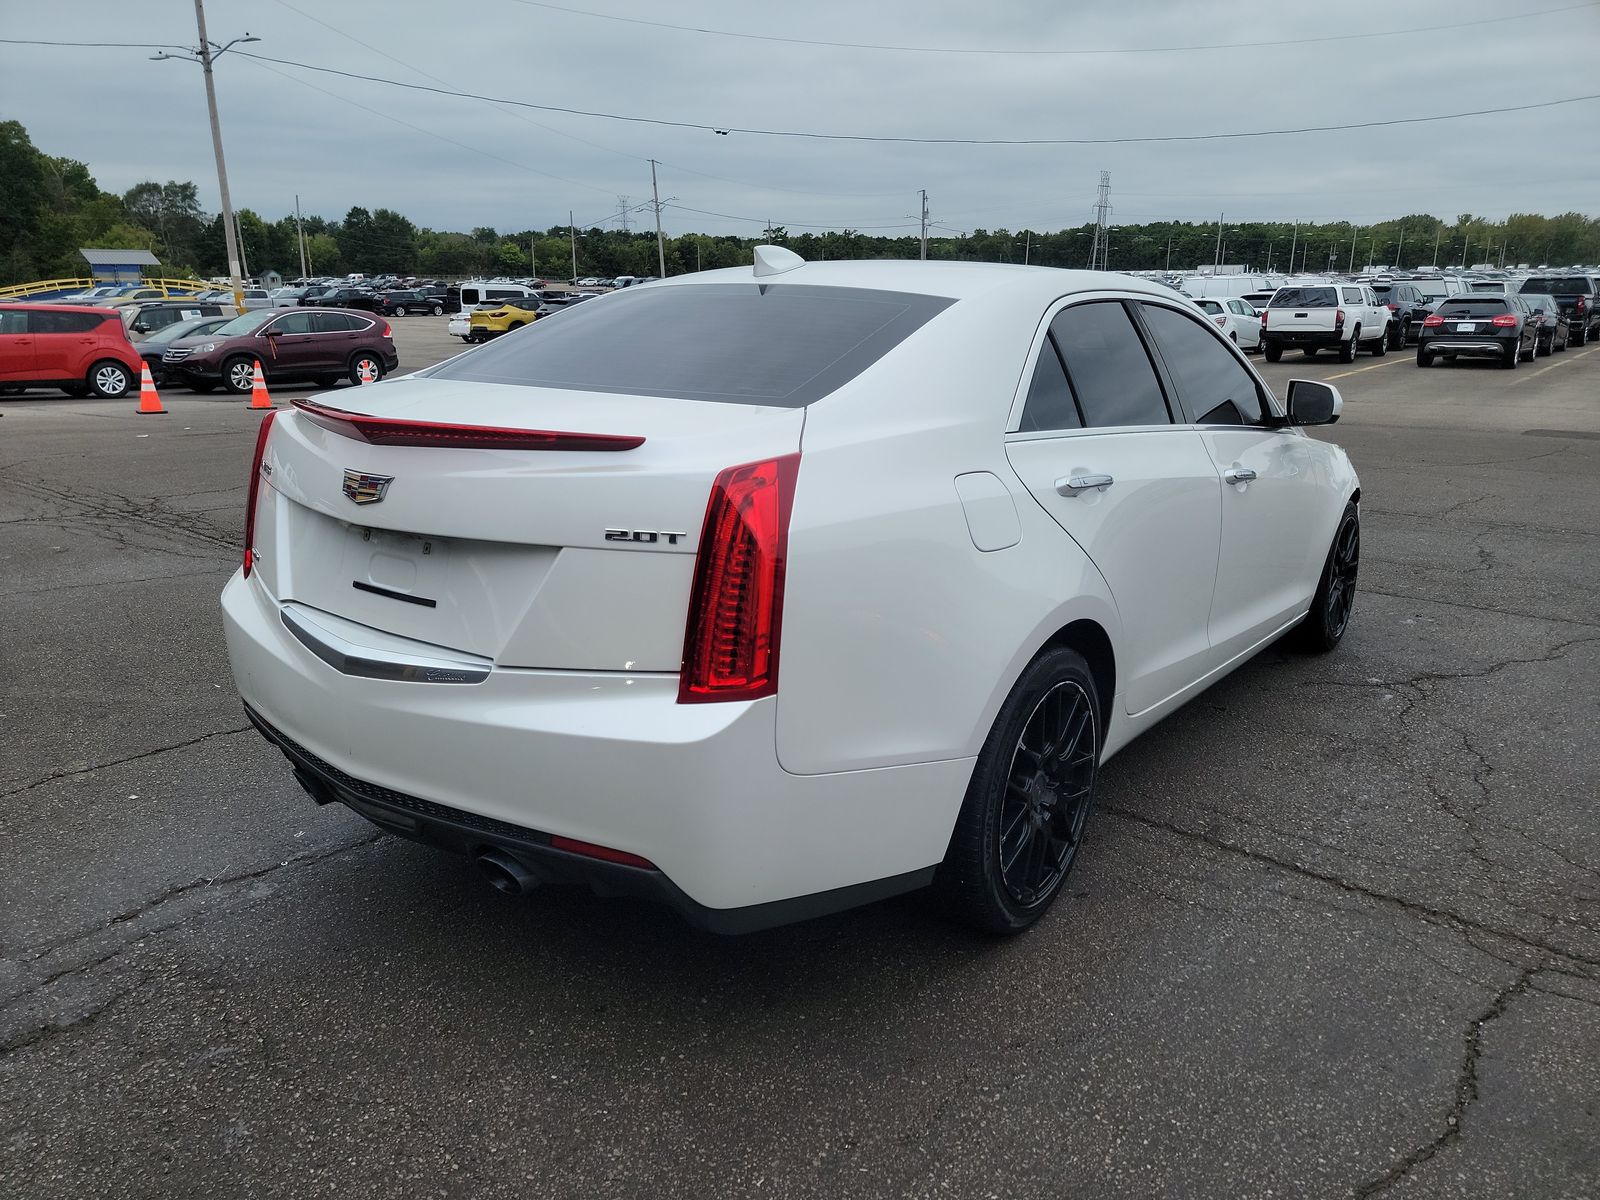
(1329, 616)
(1023, 819)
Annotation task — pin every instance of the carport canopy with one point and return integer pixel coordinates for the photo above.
(118, 266)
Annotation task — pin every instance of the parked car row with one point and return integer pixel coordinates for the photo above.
(83, 349)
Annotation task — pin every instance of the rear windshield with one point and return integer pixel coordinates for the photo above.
(1473, 306)
(1431, 287)
(1558, 285)
(1210, 306)
(1304, 297)
(783, 345)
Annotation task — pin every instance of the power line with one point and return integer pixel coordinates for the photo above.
(939, 141)
(967, 50)
(116, 45)
(763, 221)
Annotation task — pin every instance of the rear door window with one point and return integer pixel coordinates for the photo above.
(1049, 404)
(1214, 387)
(1304, 297)
(13, 322)
(1108, 366)
(65, 322)
(299, 322)
(783, 345)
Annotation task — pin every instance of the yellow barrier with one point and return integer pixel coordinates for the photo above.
(22, 291)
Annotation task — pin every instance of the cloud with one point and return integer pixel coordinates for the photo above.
(454, 163)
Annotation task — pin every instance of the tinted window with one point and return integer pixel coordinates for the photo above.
(1213, 385)
(65, 322)
(294, 323)
(1558, 285)
(1304, 297)
(332, 322)
(1049, 404)
(1110, 372)
(1474, 306)
(1210, 306)
(772, 344)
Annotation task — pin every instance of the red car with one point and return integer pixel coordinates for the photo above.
(320, 345)
(72, 347)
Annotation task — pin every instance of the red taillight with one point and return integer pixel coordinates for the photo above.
(1392, 307)
(1338, 318)
(1223, 321)
(392, 431)
(1581, 304)
(1504, 321)
(250, 493)
(604, 853)
(1432, 320)
(730, 648)
(388, 331)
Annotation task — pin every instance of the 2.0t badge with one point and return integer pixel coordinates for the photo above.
(364, 488)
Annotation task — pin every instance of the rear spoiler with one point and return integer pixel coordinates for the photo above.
(393, 431)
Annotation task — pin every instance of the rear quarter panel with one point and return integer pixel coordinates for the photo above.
(900, 638)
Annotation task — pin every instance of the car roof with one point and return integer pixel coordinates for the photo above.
(84, 308)
(956, 280)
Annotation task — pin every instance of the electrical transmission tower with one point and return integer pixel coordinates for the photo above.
(622, 211)
(1100, 251)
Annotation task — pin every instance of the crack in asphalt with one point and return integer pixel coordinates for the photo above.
(225, 885)
(1483, 608)
(1467, 1088)
(117, 762)
(1415, 908)
(107, 506)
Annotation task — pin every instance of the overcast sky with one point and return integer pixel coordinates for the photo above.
(457, 163)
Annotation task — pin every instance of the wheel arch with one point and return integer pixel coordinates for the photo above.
(1090, 639)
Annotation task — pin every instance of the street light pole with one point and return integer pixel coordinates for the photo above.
(573, 232)
(300, 232)
(661, 250)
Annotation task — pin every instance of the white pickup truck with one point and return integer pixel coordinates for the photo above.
(1328, 316)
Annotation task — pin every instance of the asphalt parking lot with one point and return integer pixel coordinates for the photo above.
(1336, 930)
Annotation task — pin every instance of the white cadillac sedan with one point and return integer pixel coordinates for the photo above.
(765, 595)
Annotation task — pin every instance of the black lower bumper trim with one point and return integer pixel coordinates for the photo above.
(468, 833)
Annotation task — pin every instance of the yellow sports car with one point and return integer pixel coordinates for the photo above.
(501, 316)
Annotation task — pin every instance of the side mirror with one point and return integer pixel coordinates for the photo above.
(1313, 403)
(272, 333)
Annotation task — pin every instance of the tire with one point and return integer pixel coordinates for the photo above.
(1542, 348)
(367, 358)
(1397, 336)
(109, 379)
(238, 375)
(1349, 350)
(1029, 799)
(1424, 357)
(1510, 361)
(399, 310)
(1272, 351)
(1533, 350)
(515, 325)
(1310, 351)
(1564, 341)
(1329, 615)
(1381, 346)
(1583, 336)
(437, 310)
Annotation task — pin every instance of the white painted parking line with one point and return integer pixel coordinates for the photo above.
(1373, 367)
(1554, 365)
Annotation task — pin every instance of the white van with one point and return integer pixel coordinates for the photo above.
(475, 291)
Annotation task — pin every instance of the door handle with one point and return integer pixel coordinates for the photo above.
(1238, 475)
(1072, 485)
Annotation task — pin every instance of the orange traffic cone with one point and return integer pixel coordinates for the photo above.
(258, 390)
(149, 398)
(369, 373)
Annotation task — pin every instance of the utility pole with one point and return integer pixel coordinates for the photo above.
(924, 194)
(1169, 252)
(1350, 270)
(222, 167)
(1400, 249)
(1436, 234)
(205, 55)
(661, 247)
(1218, 259)
(1294, 241)
(244, 259)
(300, 229)
(1027, 247)
(573, 232)
(1466, 240)
(533, 257)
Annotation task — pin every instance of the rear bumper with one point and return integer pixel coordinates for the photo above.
(1472, 347)
(1304, 337)
(605, 758)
